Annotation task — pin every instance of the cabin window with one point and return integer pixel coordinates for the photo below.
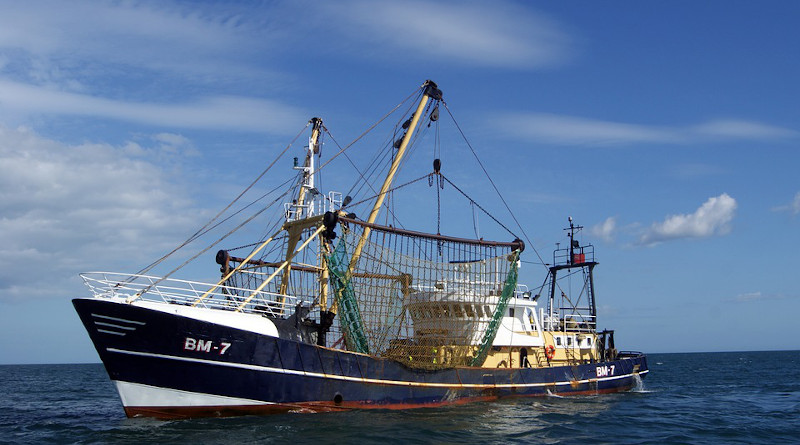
(569, 341)
(558, 341)
(588, 342)
(511, 312)
(458, 310)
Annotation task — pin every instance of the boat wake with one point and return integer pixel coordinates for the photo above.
(555, 396)
(638, 385)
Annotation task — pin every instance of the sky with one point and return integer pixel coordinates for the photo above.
(668, 130)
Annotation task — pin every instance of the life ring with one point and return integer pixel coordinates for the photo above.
(550, 352)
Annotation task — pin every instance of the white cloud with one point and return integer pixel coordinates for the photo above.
(741, 129)
(58, 39)
(160, 63)
(606, 229)
(750, 296)
(759, 296)
(712, 218)
(793, 207)
(497, 34)
(215, 113)
(571, 130)
(71, 208)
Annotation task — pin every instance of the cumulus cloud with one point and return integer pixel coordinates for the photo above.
(572, 130)
(606, 229)
(67, 209)
(712, 218)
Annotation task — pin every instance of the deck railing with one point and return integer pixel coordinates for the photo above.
(187, 293)
(574, 256)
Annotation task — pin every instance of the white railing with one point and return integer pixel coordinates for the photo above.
(187, 293)
(316, 205)
(575, 322)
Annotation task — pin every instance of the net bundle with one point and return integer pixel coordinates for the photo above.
(427, 301)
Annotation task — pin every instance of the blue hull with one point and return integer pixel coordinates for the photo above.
(157, 351)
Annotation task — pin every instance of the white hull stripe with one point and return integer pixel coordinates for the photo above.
(364, 380)
(118, 319)
(111, 325)
(137, 394)
(111, 332)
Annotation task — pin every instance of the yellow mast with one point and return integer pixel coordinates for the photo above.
(429, 90)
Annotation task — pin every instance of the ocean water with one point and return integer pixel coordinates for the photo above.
(730, 397)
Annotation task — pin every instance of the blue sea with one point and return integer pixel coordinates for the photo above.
(726, 397)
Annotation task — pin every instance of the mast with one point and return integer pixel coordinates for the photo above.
(430, 91)
(577, 256)
(301, 209)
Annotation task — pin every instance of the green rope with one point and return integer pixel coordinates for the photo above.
(497, 317)
(351, 323)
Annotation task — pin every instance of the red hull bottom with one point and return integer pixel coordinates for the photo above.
(187, 412)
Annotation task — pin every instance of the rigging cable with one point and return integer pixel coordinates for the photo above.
(479, 206)
(203, 230)
(492, 182)
(231, 232)
(372, 127)
(199, 232)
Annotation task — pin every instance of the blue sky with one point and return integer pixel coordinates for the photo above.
(669, 130)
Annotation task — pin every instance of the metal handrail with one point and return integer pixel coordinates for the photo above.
(562, 257)
(187, 293)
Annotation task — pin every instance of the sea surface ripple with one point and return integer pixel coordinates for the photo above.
(730, 397)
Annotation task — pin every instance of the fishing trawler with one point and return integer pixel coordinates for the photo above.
(328, 311)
